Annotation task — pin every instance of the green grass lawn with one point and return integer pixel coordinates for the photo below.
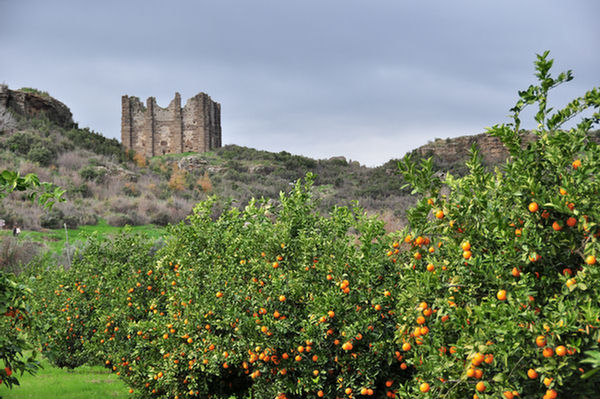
(55, 239)
(84, 382)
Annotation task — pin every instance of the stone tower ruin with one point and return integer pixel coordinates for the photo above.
(152, 130)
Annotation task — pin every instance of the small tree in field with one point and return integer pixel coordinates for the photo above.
(507, 263)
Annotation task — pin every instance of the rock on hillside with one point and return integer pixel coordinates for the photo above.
(451, 154)
(33, 103)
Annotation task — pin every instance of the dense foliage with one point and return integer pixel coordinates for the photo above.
(492, 291)
(14, 309)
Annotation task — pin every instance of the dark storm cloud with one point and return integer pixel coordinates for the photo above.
(366, 79)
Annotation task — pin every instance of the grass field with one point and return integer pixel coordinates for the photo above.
(55, 239)
(84, 382)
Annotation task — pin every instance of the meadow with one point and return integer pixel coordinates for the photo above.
(54, 240)
(85, 382)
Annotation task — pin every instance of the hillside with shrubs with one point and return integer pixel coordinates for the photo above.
(104, 181)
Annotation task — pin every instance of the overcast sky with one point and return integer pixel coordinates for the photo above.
(369, 79)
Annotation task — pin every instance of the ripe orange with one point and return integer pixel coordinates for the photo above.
(540, 341)
(439, 214)
(548, 352)
(590, 260)
(406, 346)
(515, 272)
(550, 394)
(501, 295)
(480, 387)
(424, 387)
(320, 394)
(556, 226)
(508, 395)
(281, 298)
(466, 246)
(571, 221)
(219, 294)
(467, 254)
(576, 163)
(561, 350)
(477, 359)
(533, 207)
(531, 373)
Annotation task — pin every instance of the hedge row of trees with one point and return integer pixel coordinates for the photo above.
(492, 291)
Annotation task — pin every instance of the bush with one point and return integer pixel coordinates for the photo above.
(41, 154)
(53, 219)
(93, 173)
(15, 253)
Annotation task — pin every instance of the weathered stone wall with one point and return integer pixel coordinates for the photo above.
(153, 130)
(34, 105)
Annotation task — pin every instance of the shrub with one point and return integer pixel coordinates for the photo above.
(94, 173)
(41, 154)
(15, 253)
(53, 219)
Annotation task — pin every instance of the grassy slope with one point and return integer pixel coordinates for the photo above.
(53, 383)
(55, 240)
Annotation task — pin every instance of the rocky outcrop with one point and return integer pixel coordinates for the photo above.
(451, 151)
(33, 104)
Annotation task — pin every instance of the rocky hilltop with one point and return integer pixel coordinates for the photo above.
(33, 103)
(452, 153)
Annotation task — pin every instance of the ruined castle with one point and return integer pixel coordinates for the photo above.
(152, 130)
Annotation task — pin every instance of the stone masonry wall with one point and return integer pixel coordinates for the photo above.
(152, 130)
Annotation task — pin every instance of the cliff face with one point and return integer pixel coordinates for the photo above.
(456, 150)
(31, 104)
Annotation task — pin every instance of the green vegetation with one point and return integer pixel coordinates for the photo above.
(34, 91)
(85, 382)
(55, 239)
(490, 291)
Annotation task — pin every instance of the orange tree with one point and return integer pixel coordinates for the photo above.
(272, 301)
(14, 310)
(501, 270)
(78, 320)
